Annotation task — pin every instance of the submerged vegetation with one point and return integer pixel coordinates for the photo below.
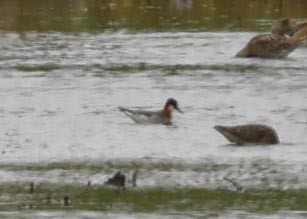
(99, 198)
(111, 166)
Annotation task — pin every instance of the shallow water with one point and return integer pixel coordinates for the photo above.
(60, 93)
(93, 215)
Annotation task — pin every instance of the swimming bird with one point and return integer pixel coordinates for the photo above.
(284, 26)
(249, 134)
(301, 31)
(290, 27)
(163, 116)
(118, 180)
(274, 44)
(287, 26)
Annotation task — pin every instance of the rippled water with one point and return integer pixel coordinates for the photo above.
(60, 93)
(94, 215)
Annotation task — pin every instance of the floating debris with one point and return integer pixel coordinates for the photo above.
(48, 200)
(239, 188)
(31, 187)
(66, 200)
(134, 178)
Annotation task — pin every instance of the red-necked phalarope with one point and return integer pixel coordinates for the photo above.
(249, 134)
(163, 116)
(275, 44)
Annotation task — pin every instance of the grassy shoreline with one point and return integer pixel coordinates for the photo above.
(98, 198)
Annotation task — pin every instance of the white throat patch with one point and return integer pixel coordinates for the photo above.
(171, 107)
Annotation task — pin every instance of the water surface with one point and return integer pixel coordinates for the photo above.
(60, 97)
(61, 84)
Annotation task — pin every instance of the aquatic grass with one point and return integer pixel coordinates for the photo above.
(173, 69)
(100, 70)
(111, 166)
(34, 68)
(100, 198)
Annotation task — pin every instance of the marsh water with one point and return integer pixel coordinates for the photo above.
(63, 74)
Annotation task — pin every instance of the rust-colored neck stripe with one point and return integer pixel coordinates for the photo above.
(168, 112)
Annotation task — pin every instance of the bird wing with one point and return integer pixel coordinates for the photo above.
(141, 116)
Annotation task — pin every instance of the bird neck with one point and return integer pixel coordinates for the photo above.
(168, 111)
(297, 40)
